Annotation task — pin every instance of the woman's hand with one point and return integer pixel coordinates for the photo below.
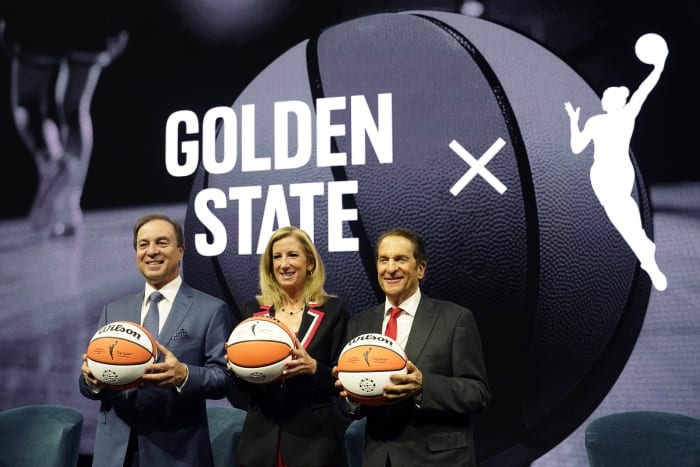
(301, 363)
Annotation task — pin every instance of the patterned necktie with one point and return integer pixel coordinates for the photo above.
(391, 324)
(151, 321)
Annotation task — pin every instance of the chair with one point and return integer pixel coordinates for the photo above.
(40, 435)
(355, 442)
(225, 425)
(643, 438)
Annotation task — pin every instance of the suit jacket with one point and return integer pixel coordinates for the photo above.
(444, 343)
(172, 427)
(303, 415)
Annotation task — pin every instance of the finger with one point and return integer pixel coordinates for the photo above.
(400, 379)
(162, 349)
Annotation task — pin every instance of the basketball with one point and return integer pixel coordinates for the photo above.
(366, 364)
(258, 348)
(463, 137)
(651, 48)
(119, 353)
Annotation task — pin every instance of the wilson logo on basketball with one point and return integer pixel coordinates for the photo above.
(118, 327)
(372, 337)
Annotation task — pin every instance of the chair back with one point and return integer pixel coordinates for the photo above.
(225, 425)
(40, 435)
(643, 438)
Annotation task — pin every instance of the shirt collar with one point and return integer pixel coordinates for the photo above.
(169, 290)
(409, 306)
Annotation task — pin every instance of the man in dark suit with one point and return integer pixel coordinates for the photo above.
(163, 422)
(427, 419)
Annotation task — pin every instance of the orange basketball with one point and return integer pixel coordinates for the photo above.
(119, 353)
(366, 364)
(258, 349)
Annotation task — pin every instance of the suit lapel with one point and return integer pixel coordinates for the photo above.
(377, 320)
(423, 323)
(310, 321)
(181, 306)
(132, 311)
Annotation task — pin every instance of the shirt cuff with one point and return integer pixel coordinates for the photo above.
(352, 406)
(93, 388)
(418, 399)
(179, 388)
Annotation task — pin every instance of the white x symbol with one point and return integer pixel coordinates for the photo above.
(477, 167)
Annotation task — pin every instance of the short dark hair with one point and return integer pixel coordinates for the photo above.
(419, 251)
(177, 227)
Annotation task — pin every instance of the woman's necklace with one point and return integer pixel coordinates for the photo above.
(292, 312)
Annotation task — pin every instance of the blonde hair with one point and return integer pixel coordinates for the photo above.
(271, 293)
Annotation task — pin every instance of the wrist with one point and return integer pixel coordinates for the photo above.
(418, 399)
(181, 383)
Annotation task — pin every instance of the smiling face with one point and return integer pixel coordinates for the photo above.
(158, 255)
(290, 264)
(398, 271)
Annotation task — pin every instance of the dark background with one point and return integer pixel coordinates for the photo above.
(197, 54)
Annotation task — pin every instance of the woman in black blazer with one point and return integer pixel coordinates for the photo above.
(297, 421)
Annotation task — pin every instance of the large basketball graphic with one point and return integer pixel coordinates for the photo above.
(454, 127)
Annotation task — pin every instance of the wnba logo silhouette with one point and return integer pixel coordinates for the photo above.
(365, 355)
(612, 172)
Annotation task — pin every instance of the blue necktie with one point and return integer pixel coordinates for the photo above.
(150, 322)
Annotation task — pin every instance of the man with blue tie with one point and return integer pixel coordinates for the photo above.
(427, 420)
(163, 422)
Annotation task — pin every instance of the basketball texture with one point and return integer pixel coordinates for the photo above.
(258, 348)
(366, 364)
(119, 353)
(558, 295)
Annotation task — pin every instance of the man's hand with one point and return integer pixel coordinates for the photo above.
(338, 384)
(87, 374)
(404, 385)
(170, 372)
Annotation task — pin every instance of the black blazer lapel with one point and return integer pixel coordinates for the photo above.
(368, 321)
(378, 319)
(310, 321)
(423, 323)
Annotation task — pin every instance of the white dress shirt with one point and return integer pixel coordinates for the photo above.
(405, 319)
(169, 292)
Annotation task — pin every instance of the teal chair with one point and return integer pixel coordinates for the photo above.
(643, 439)
(40, 435)
(225, 425)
